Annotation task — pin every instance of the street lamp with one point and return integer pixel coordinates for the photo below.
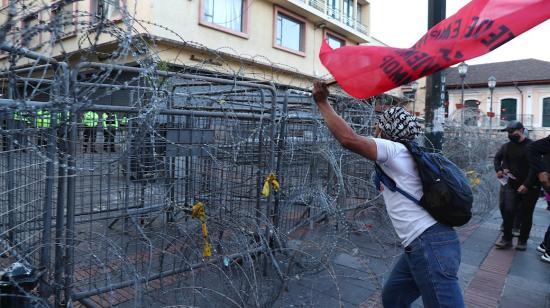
(414, 87)
(492, 82)
(462, 70)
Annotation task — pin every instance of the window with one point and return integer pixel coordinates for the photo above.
(63, 19)
(471, 112)
(546, 112)
(30, 36)
(289, 32)
(227, 14)
(508, 109)
(348, 12)
(334, 8)
(335, 41)
(106, 9)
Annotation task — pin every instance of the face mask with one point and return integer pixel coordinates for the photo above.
(514, 138)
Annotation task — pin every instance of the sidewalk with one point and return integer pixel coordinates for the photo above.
(488, 277)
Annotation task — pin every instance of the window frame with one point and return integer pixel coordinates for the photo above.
(58, 6)
(472, 120)
(303, 34)
(500, 108)
(348, 19)
(24, 24)
(93, 17)
(245, 18)
(542, 110)
(327, 33)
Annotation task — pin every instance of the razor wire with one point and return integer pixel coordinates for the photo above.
(175, 212)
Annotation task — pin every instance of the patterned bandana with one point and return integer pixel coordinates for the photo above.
(397, 124)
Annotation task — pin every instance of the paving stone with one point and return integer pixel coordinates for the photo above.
(524, 292)
(305, 296)
(345, 259)
(527, 264)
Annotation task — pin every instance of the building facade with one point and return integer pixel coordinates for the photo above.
(276, 40)
(522, 93)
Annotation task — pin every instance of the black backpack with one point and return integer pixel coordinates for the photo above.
(447, 194)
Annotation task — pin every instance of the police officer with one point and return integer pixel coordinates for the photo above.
(110, 127)
(90, 119)
(43, 119)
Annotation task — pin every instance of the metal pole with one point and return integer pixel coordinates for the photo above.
(45, 253)
(462, 100)
(414, 102)
(491, 111)
(71, 186)
(280, 147)
(61, 197)
(434, 109)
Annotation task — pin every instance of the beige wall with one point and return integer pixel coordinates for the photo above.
(178, 21)
(529, 101)
(258, 45)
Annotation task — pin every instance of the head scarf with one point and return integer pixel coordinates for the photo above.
(397, 124)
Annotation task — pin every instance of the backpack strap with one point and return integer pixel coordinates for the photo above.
(389, 183)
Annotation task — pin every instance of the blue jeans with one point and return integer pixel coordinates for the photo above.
(428, 268)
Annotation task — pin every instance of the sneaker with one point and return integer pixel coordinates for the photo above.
(521, 245)
(545, 257)
(515, 232)
(541, 248)
(503, 244)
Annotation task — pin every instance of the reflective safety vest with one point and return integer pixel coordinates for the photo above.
(21, 116)
(90, 119)
(43, 118)
(110, 120)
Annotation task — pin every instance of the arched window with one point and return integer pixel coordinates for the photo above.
(508, 109)
(472, 112)
(472, 103)
(546, 112)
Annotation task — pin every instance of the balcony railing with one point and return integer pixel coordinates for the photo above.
(500, 121)
(337, 14)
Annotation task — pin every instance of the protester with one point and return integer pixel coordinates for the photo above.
(429, 265)
(503, 173)
(522, 189)
(536, 150)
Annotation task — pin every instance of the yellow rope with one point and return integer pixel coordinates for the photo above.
(197, 211)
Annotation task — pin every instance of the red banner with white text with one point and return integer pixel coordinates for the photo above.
(478, 28)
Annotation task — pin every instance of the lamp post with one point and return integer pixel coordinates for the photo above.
(462, 70)
(492, 82)
(414, 87)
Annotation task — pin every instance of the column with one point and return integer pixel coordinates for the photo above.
(341, 11)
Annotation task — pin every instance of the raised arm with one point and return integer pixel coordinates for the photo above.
(339, 128)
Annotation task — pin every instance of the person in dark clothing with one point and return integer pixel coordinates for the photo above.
(535, 151)
(502, 171)
(546, 159)
(522, 189)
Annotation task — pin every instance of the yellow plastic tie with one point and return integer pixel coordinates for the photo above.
(270, 180)
(197, 211)
(474, 178)
(206, 250)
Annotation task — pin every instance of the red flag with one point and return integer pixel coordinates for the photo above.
(476, 29)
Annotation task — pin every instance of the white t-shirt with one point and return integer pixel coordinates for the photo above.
(408, 218)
